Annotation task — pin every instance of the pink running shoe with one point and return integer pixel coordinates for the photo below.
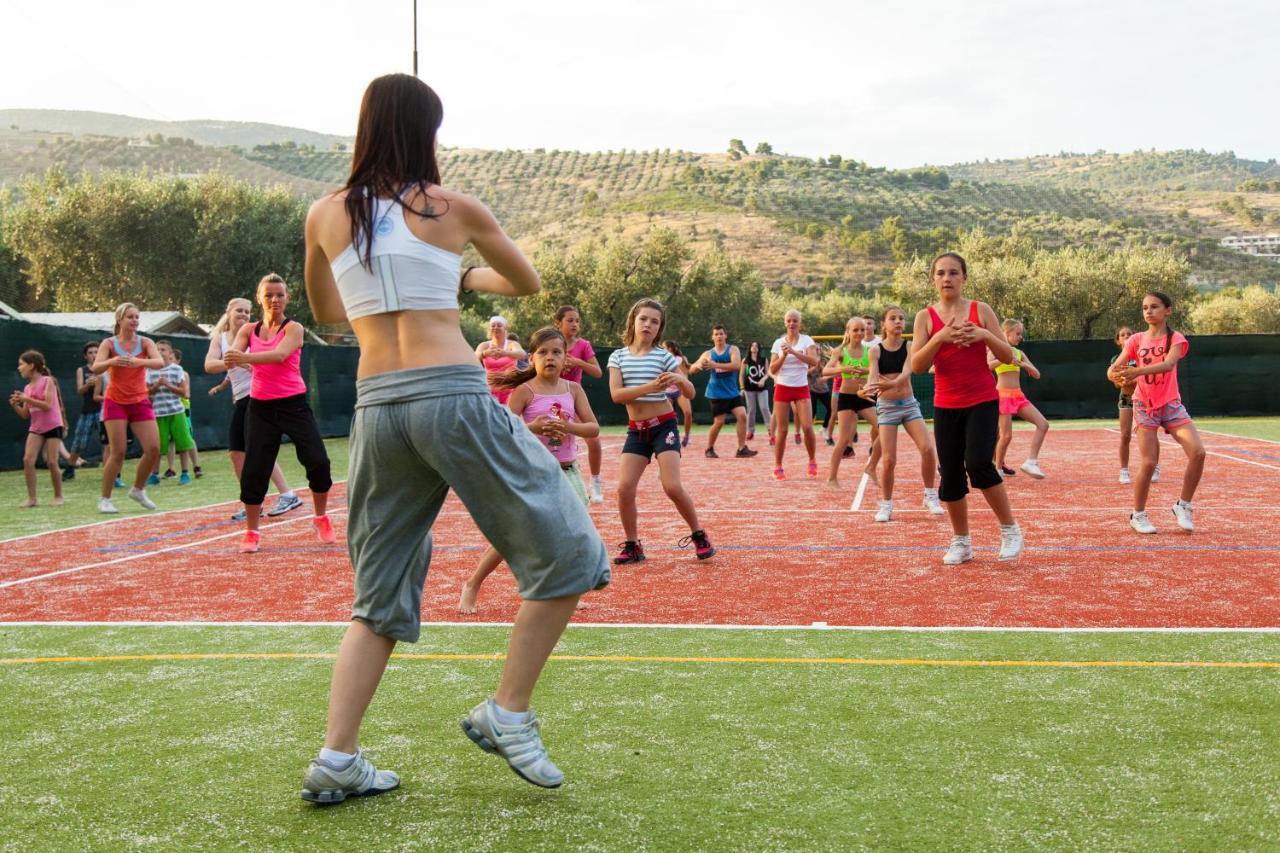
(324, 529)
(812, 470)
(779, 474)
(701, 544)
(249, 544)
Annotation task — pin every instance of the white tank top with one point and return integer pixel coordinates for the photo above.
(241, 377)
(408, 274)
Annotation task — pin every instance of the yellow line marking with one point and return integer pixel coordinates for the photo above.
(1075, 664)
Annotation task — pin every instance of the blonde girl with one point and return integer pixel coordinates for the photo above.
(41, 404)
(1013, 402)
(851, 362)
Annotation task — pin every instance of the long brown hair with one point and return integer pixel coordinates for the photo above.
(515, 378)
(395, 151)
(629, 332)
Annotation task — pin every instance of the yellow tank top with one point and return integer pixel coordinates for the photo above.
(1011, 368)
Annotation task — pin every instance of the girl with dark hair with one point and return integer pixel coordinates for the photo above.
(41, 404)
(557, 412)
(755, 387)
(90, 409)
(953, 336)
(1124, 406)
(580, 358)
(1151, 359)
(676, 396)
(384, 253)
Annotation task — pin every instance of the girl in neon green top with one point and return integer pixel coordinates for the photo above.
(850, 362)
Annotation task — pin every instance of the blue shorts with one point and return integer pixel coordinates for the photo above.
(649, 441)
(898, 412)
(1167, 417)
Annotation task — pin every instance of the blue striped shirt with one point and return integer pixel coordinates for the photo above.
(639, 369)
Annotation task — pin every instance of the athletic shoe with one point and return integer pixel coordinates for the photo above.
(284, 503)
(1139, 522)
(812, 470)
(855, 436)
(745, 452)
(848, 451)
(779, 474)
(710, 453)
(1182, 512)
(701, 544)
(931, 502)
(772, 441)
(249, 544)
(1006, 471)
(597, 493)
(239, 516)
(324, 529)
(185, 479)
(140, 495)
(521, 745)
(1125, 479)
(119, 483)
(68, 474)
(169, 474)
(831, 442)
(751, 436)
(632, 552)
(153, 480)
(1010, 542)
(1155, 475)
(105, 505)
(961, 551)
(1032, 469)
(323, 783)
(798, 439)
(195, 469)
(684, 442)
(885, 512)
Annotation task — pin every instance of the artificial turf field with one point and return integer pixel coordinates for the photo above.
(766, 731)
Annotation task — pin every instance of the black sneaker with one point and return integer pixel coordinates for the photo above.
(745, 452)
(701, 544)
(196, 470)
(68, 474)
(710, 453)
(848, 451)
(1007, 472)
(170, 474)
(632, 552)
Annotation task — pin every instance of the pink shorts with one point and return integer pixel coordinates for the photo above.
(788, 394)
(132, 412)
(1167, 417)
(1012, 401)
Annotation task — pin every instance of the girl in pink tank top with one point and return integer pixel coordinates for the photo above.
(557, 412)
(39, 402)
(954, 336)
(498, 355)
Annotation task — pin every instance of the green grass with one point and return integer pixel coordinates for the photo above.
(209, 754)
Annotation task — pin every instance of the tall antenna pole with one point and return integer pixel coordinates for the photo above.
(415, 38)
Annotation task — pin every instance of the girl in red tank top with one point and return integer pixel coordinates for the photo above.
(953, 336)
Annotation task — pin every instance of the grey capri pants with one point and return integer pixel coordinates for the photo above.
(414, 435)
(760, 400)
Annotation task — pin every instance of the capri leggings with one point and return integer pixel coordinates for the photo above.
(966, 440)
(268, 421)
(757, 400)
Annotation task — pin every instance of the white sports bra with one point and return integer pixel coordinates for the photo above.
(408, 274)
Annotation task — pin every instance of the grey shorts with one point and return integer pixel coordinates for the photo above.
(414, 435)
(897, 412)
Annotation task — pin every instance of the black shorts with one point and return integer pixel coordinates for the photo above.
(236, 434)
(650, 442)
(56, 432)
(853, 403)
(966, 441)
(726, 405)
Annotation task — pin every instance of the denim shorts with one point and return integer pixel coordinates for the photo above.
(650, 441)
(1167, 417)
(898, 412)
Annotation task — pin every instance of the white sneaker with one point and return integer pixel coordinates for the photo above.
(1155, 475)
(521, 745)
(1010, 542)
(105, 505)
(597, 494)
(1139, 522)
(140, 495)
(1032, 469)
(324, 783)
(1125, 479)
(1182, 512)
(931, 502)
(885, 512)
(961, 551)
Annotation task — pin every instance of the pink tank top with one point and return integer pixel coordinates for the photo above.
(42, 421)
(557, 405)
(275, 381)
(495, 367)
(961, 377)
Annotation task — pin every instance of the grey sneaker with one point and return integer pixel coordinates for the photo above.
(520, 745)
(238, 517)
(284, 503)
(323, 783)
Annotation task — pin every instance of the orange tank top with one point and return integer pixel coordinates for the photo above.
(127, 385)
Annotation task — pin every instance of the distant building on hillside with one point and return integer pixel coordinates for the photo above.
(1263, 245)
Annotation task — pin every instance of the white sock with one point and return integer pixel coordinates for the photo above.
(963, 540)
(1008, 528)
(933, 493)
(510, 718)
(335, 759)
(595, 479)
(1181, 502)
(288, 494)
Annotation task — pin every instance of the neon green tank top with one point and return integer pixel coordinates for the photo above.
(848, 361)
(1011, 368)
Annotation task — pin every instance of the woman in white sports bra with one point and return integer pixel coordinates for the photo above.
(384, 254)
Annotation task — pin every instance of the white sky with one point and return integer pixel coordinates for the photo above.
(893, 83)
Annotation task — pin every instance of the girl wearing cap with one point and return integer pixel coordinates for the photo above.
(498, 355)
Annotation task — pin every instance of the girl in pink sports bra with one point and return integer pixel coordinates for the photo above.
(498, 355)
(557, 412)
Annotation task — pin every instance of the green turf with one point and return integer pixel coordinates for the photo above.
(658, 755)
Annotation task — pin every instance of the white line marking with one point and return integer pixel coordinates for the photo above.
(862, 490)
(1242, 437)
(910, 629)
(158, 551)
(1169, 441)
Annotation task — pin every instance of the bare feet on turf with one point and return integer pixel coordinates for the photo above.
(57, 501)
(467, 603)
(27, 504)
(833, 485)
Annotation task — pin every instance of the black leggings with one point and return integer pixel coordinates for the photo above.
(966, 440)
(267, 422)
(823, 397)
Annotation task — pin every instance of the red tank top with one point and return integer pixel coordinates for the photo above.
(961, 377)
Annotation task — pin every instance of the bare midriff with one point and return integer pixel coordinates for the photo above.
(402, 340)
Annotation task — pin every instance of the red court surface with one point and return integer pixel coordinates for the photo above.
(790, 553)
